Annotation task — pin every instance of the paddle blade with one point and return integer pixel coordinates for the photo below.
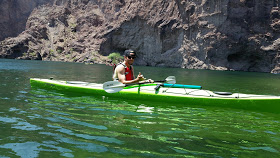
(171, 79)
(113, 86)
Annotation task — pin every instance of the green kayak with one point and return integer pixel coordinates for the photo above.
(160, 92)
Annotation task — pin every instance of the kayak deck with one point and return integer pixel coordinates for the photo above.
(183, 96)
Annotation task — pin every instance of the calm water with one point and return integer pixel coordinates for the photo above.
(39, 123)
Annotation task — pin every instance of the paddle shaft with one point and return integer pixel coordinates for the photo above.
(166, 85)
(116, 86)
(143, 83)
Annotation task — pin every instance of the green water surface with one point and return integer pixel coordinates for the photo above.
(40, 123)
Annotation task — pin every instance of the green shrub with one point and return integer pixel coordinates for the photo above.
(115, 57)
(33, 54)
(59, 51)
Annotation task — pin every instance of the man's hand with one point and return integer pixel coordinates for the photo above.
(140, 77)
(149, 81)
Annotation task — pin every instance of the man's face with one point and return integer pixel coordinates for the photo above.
(130, 58)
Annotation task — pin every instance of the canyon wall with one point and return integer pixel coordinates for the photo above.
(238, 35)
(14, 14)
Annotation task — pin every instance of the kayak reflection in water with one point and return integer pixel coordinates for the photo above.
(124, 71)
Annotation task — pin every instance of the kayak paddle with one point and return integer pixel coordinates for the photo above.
(169, 79)
(113, 86)
(116, 86)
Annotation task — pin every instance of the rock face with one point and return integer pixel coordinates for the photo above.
(201, 34)
(14, 14)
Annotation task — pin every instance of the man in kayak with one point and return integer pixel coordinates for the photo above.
(124, 72)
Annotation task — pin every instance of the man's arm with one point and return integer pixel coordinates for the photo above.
(120, 70)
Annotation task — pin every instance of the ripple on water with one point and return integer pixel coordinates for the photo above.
(19, 123)
(32, 149)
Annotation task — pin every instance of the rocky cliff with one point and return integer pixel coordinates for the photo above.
(14, 14)
(200, 34)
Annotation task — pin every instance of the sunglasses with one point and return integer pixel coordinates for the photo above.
(131, 57)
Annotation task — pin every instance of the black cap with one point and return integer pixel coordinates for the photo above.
(127, 52)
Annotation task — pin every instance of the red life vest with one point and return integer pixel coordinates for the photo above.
(128, 73)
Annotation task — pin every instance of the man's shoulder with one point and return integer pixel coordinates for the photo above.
(120, 67)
